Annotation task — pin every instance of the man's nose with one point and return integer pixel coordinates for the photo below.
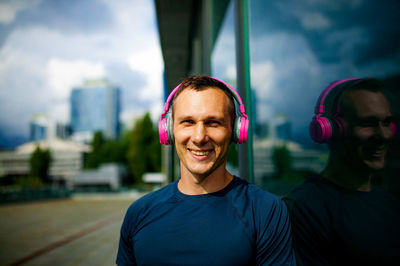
(200, 134)
(385, 131)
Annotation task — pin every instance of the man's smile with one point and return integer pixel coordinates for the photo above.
(200, 154)
(376, 152)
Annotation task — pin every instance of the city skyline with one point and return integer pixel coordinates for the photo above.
(49, 47)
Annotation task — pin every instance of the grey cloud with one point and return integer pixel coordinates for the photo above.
(66, 16)
(129, 82)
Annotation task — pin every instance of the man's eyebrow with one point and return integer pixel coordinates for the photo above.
(216, 117)
(373, 118)
(184, 117)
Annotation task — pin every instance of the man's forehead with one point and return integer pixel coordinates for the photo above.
(211, 100)
(365, 103)
(192, 89)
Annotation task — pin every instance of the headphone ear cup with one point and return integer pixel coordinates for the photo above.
(340, 125)
(236, 130)
(169, 128)
(393, 128)
(244, 129)
(162, 131)
(320, 129)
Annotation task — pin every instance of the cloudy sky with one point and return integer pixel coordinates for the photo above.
(298, 47)
(47, 47)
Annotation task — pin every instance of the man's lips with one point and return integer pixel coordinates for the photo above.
(376, 152)
(200, 154)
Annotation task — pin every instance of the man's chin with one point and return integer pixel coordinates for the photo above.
(375, 165)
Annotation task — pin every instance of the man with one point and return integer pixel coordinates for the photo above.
(207, 217)
(341, 218)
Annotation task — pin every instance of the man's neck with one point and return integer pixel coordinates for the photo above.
(197, 185)
(346, 176)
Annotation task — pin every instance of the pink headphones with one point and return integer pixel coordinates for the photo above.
(240, 126)
(321, 127)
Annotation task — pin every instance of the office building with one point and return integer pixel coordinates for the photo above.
(37, 127)
(41, 127)
(95, 106)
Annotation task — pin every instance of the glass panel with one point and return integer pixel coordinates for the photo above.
(223, 64)
(297, 48)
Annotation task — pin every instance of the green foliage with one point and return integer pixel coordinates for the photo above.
(94, 158)
(144, 151)
(40, 164)
(283, 164)
(282, 160)
(138, 149)
(105, 151)
(29, 182)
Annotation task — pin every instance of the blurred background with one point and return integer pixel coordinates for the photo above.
(82, 86)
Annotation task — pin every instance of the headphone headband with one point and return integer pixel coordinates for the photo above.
(320, 107)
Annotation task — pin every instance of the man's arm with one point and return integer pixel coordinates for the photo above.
(126, 255)
(274, 240)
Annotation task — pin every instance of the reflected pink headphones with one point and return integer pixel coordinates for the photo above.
(240, 126)
(321, 127)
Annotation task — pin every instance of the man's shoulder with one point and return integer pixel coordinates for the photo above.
(258, 198)
(153, 199)
(252, 191)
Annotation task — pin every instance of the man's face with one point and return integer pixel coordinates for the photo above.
(368, 117)
(202, 130)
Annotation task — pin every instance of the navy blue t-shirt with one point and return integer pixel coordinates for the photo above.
(333, 225)
(238, 225)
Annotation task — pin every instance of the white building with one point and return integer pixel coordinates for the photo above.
(67, 159)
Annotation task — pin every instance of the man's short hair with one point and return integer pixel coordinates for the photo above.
(199, 83)
(367, 84)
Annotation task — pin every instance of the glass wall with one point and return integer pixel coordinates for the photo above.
(223, 65)
(296, 49)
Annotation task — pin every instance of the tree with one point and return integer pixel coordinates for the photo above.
(144, 151)
(40, 164)
(105, 151)
(282, 160)
(94, 158)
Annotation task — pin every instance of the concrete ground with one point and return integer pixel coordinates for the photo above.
(83, 230)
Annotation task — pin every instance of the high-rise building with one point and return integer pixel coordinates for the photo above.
(37, 127)
(95, 106)
(42, 127)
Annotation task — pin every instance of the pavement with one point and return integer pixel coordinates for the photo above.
(81, 230)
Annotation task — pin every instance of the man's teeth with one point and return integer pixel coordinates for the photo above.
(200, 153)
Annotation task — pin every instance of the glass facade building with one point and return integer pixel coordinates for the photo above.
(95, 106)
(297, 48)
(37, 130)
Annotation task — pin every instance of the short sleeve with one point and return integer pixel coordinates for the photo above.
(274, 240)
(126, 254)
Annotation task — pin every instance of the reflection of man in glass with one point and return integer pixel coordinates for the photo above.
(341, 218)
(208, 217)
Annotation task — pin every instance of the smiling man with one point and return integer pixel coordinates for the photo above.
(208, 216)
(341, 218)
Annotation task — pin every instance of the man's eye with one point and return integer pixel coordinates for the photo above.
(187, 122)
(214, 123)
(368, 123)
(387, 122)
